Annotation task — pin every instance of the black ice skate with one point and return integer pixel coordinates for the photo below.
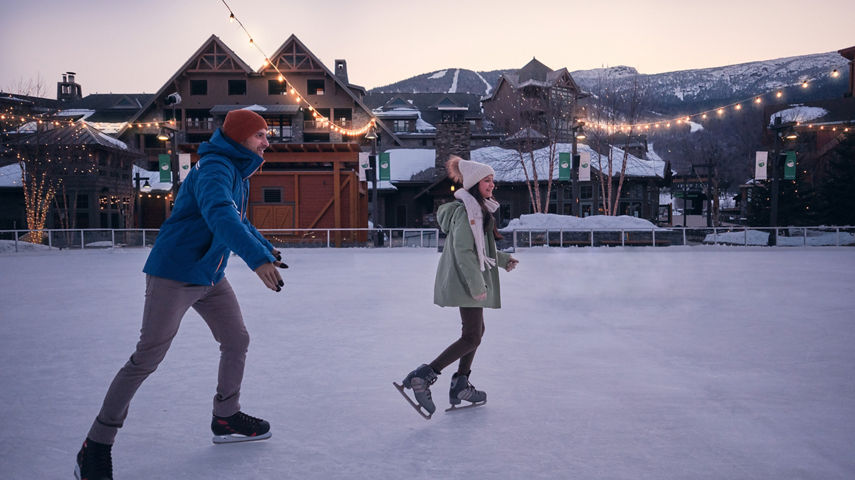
(420, 381)
(94, 461)
(461, 390)
(240, 427)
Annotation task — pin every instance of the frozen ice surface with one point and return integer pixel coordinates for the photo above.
(671, 363)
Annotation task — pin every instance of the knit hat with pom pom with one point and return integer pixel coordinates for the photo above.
(467, 172)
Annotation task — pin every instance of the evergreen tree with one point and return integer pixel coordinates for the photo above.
(837, 193)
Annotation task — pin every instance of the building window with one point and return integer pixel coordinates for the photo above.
(402, 125)
(279, 128)
(343, 117)
(198, 87)
(315, 87)
(587, 191)
(272, 195)
(275, 87)
(237, 87)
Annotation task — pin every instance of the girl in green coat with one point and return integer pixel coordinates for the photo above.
(467, 277)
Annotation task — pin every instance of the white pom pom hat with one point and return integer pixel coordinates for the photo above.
(467, 172)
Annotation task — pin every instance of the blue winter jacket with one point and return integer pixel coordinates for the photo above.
(209, 220)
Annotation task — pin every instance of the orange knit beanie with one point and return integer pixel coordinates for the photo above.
(240, 124)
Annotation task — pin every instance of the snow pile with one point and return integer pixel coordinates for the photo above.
(438, 75)
(8, 246)
(756, 237)
(554, 222)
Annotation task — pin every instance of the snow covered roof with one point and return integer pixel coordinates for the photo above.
(506, 162)
(152, 177)
(798, 113)
(10, 175)
(404, 163)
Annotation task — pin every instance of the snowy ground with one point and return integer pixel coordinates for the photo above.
(678, 363)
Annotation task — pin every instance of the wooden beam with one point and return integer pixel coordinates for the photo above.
(327, 206)
(337, 201)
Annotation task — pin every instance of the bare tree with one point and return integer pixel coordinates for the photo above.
(546, 116)
(612, 114)
(31, 87)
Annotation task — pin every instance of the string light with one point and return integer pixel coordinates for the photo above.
(323, 120)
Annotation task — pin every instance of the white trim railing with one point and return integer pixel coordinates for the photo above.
(682, 236)
(92, 238)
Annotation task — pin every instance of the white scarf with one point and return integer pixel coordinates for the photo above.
(476, 223)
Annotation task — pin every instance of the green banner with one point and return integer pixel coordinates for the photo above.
(384, 167)
(564, 166)
(790, 166)
(165, 167)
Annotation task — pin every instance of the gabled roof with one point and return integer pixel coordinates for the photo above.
(212, 55)
(293, 55)
(533, 70)
(448, 104)
(535, 74)
(79, 133)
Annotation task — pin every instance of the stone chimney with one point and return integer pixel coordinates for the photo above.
(68, 90)
(452, 137)
(341, 70)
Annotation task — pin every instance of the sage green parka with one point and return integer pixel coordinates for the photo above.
(458, 277)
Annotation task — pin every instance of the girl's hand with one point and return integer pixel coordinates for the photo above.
(512, 264)
(481, 297)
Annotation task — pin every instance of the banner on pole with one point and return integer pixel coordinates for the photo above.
(385, 174)
(165, 167)
(761, 163)
(183, 166)
(563, 166)
(363, 165)
(585, 167)
(790, 166)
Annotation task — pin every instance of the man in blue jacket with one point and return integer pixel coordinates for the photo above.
(186, 269)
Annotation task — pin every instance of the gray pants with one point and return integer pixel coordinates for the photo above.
(166, 302)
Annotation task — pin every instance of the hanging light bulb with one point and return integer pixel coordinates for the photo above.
(835, 73)
(231, 17)
(779, 94)
(251, 42)
(805, 84)
(281, 78)
(758, 100)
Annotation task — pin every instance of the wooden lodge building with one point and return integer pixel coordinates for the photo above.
(310, 178)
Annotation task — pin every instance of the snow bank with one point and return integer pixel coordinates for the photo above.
(756, 237)
(551, 221)
(8, 246)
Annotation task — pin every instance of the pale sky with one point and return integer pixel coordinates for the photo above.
(130, 47)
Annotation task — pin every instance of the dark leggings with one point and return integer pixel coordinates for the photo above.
(464, 348)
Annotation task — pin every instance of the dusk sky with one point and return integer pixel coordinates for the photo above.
(120, 47)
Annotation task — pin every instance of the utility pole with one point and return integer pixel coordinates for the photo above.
(578, 134)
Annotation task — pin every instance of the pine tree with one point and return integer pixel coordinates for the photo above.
(837, 193)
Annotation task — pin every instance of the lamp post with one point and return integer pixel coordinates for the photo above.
(146, 187)
(578, 134)
(782, 130)
(372, 165)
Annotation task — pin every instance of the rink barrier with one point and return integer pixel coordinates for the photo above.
(94, 238)
(681, 236)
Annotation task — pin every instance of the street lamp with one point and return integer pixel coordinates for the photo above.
(578, 134)
(372, 165)
(783, 131)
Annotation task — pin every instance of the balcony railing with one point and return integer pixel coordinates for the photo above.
(199, 124)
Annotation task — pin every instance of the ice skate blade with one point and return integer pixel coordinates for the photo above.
(413, 404)
(218, 439)
(471, 405)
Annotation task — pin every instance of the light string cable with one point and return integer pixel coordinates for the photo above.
(319, 118)
(718, 112)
